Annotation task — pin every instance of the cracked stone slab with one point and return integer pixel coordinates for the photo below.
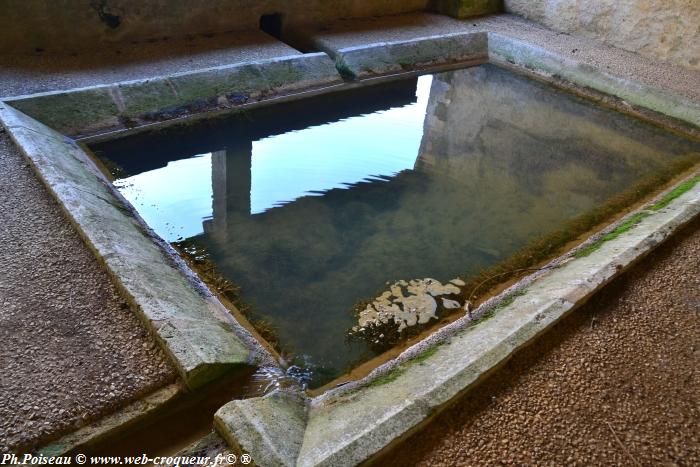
(194, 329)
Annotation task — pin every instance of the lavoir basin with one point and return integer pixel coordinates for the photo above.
(342, 223)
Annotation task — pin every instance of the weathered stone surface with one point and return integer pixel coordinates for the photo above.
(92, 109)
(393, 57)
(405, 304)
(78, 25)
(450, 304)
(270, 429)
(666, 30)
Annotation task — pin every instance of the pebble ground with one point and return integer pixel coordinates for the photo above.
(71, 350)
(615, 383)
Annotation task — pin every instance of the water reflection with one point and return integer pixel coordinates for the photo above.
(254, 176)
(309, 217)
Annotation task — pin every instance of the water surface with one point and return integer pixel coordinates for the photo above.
(314, 206)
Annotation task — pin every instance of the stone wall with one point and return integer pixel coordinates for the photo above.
(663, 29)
(79, 24)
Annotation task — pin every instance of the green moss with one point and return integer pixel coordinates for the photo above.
(622, 228)
(637, 218)
(675, 193)
(388, 378)
(401, 369)
(68, 112)
(503, 304)
(510, 299)
(344, 70)
(427, 354)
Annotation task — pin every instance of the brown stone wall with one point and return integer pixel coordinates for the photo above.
(668, 30)
(79, 24)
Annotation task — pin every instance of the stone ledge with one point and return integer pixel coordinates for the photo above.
(111, 426)
(98, 108)
(269, 428)
(194, 329)
(505, 49)
(394, 57)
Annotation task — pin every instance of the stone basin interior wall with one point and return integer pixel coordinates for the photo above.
(668, 30)
(26, 25)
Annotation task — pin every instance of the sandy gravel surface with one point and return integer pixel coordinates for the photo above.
(616, 383)
(70, 349)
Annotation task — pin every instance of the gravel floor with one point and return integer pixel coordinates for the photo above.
(70, 349)
(616, 383)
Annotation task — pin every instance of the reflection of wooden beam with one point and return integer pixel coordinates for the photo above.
(231, 185)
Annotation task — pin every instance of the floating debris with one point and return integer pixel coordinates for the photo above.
(407, 304)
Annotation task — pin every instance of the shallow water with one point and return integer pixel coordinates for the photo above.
(314, 206)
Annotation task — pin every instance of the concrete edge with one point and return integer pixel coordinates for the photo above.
(505, 49)
(353, 423)
(130, 103)
(198, 333)
(382, 58)
(270, 428)
(113, 424)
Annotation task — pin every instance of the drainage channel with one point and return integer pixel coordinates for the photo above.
(181, 422)
(273, 24)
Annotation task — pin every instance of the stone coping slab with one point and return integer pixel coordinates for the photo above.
(31, 73)
(475, 47)
(130, 103)
(507, 49)
(590, 52)
(269, 428)
(191, 325)
(110, 426)
(394, 57)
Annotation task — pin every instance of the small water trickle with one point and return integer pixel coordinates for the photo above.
(268, 379)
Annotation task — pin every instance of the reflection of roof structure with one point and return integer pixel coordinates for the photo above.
(484, 117)
(488, 128)
(140, 153)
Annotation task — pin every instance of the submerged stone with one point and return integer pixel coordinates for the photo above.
(450, 304)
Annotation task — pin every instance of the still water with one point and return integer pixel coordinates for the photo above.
(314, 206)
